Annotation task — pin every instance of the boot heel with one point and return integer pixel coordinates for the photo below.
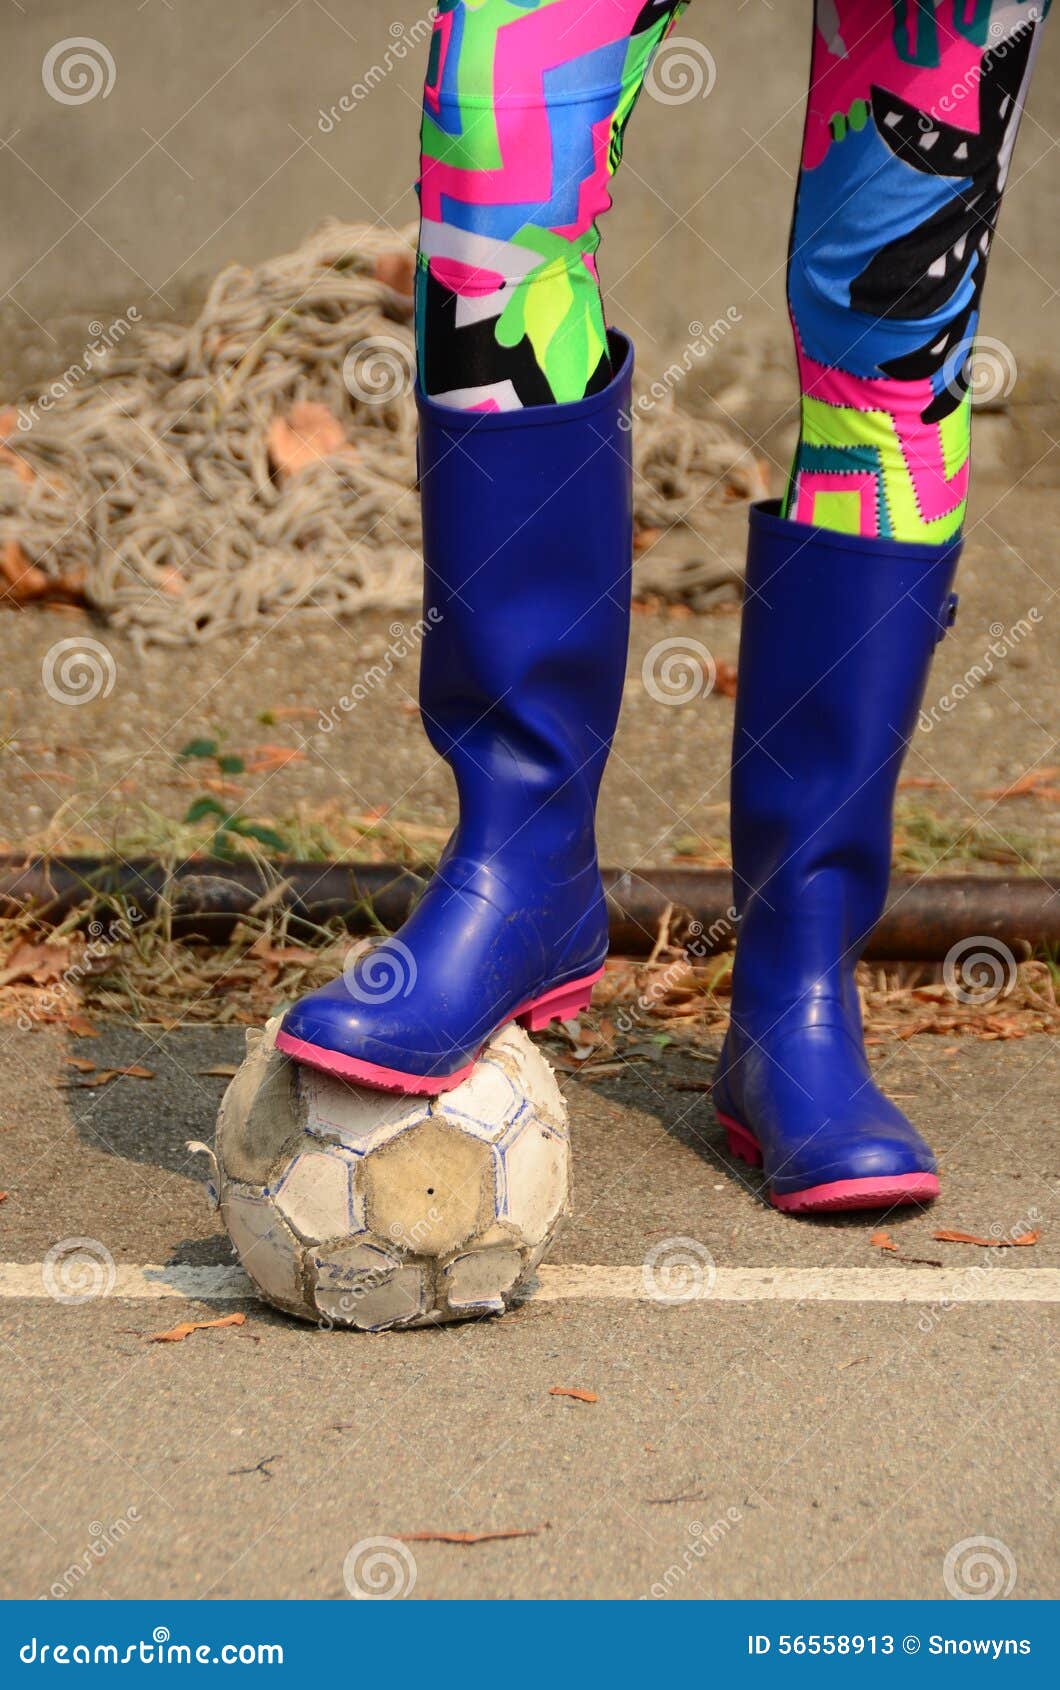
(740, 1142)
(561, 1004)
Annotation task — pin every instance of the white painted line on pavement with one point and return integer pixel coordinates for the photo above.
(974, 1283)
(131, 1284)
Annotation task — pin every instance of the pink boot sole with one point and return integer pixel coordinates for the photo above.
(560, 1004)
(880, 1192)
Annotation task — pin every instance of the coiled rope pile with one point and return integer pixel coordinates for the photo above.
(153, 482)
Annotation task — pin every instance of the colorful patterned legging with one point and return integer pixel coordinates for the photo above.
(912, 115)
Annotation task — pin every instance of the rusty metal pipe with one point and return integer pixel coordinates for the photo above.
(206, 898)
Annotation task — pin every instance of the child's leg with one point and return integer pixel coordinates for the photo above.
(526, 484)
(525, 107)
(913, 111)
(913, 114)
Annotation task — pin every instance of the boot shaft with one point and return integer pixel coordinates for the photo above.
(837, 638)
(527, 523)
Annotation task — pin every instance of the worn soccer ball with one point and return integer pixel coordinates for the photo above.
(358, 1208)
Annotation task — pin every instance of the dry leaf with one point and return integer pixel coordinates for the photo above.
(600, 1071)
(36, 964)
(269, 757)
(307, 435)
(397, 271)
(102, 1076)
(223, 1071)
(275, 957)
(1028, 785)
(682, 1496)
(21, 468)
(177, 1334)
(9, 426)
(81, 1063)
(467, 1537)
(1024, 1240)
(3, 1196)
(23, 579)
(81, 1027)
(724, 679)
(566, 1391)
(883, 1241)
(215, 783)
(21, 582)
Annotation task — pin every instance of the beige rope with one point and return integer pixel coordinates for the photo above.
(152, 477)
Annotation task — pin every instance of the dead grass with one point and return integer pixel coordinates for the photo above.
(308, 833)
(207, 804)
(75, 975)
(925, 842)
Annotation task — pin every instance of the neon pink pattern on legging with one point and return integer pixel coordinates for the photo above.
(913, 111)
(525, 107)
(912, 116)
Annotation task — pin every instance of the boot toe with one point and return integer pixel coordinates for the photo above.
(819, 1123)
(381, 1035)
(850, 1152)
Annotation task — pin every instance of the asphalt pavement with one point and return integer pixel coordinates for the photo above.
(769, 1447)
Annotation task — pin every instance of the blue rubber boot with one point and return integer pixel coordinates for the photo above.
(527, 538)
(837, 637)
